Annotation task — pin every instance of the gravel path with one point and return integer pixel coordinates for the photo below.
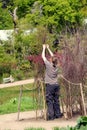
(27, 120)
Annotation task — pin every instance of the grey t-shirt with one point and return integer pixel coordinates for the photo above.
(51, 73)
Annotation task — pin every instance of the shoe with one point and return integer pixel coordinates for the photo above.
(50, 118)
(59, 116)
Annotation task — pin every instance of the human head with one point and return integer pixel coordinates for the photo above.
(54, 61)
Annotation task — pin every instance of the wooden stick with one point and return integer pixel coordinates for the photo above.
(19, 102)
(70, 101)
(84, 108)
(44, 101)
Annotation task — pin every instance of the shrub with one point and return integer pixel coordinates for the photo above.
(82, 121)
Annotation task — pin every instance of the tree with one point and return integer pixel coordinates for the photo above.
(54, 14)
(5, 19)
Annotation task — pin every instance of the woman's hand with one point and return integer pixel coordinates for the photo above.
(44, 46)
(47, 46)
(51, 53)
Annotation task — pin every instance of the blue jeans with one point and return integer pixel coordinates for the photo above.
(52, 100)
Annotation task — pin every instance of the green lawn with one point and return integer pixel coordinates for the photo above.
(9, 98)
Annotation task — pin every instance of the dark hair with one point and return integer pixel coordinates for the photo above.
(54, 61)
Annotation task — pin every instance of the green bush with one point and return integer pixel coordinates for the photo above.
(82, 121)
(81, 125)
(17, 74)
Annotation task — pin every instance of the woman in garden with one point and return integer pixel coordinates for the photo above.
(52, 86)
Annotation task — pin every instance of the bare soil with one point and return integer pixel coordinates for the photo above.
(28, 119)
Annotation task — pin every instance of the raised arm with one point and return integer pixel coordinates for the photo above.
(43, 52)
(51, 53)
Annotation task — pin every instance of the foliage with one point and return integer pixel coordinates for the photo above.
(35, 39)
(71, 128)
(41, 36)
(57, 12)
(17, 74)
(82, 121)
(6, 62)
(49, 13)
(74, 62)
(34, 128)
(62, 128)
(38, 65)
(43, 19)
(52, 13)
(6, 20)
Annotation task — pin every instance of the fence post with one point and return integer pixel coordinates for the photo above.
(70, 101)
(82, 95)
(19, 102)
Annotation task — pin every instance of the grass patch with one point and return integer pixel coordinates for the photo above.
(11, 106)
(34, 129)
(71, 128)
(9, 99)
(12, 92)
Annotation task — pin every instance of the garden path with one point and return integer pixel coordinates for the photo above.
(27, 120)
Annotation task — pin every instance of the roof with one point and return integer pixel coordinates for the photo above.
(5, 34)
